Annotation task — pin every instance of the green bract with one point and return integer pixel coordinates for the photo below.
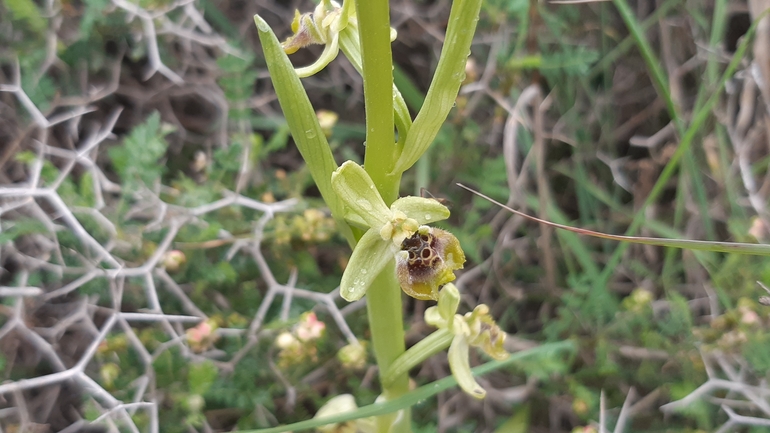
(446, 82)
(302, 121)
(388, 227)
(476, 328)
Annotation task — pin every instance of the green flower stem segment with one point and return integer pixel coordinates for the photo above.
(302, 121)
(446, 82)
(377, 68)
(351, 46)
(386, 324)
(415, 355)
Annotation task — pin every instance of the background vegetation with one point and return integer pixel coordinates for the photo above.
(159, 232)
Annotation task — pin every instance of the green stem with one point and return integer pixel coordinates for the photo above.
(384, 306)
(377, 63)
(424, 349)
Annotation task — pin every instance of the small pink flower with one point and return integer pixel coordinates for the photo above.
(310, 328)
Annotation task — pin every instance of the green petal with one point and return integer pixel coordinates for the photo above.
(461, 368)
(330, 53)
(356, 189)
(369, 257)
(424, 210)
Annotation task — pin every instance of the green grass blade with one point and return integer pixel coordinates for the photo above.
(693, 130)
(658, 76)
(721, 247)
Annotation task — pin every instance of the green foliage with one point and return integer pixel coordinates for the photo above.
(21, 227)
(137, 162)
(678, 321)
(518, 422)
(27, 11)
(757, 352)
(94, 13)
(202, 376)
(237, 81)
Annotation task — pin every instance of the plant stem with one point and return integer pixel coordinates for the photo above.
(383, 303)
(377, 62)
(424, 349)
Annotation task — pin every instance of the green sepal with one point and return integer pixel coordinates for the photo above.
(442, 93)
(369, 258)
(356, 189)
(461, 368)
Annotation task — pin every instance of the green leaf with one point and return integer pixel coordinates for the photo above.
(302, 120)
(137, 160)
(518, 423)
(26, 10)
(94, 10)
(449, 75)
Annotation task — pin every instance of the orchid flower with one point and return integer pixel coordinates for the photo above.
(476, 328)
(427, 257)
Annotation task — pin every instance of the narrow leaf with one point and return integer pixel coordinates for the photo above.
(449, 75)
(302, 120)
(414, 397)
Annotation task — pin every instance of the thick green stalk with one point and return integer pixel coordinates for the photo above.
(377, 63)
(384, 306)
